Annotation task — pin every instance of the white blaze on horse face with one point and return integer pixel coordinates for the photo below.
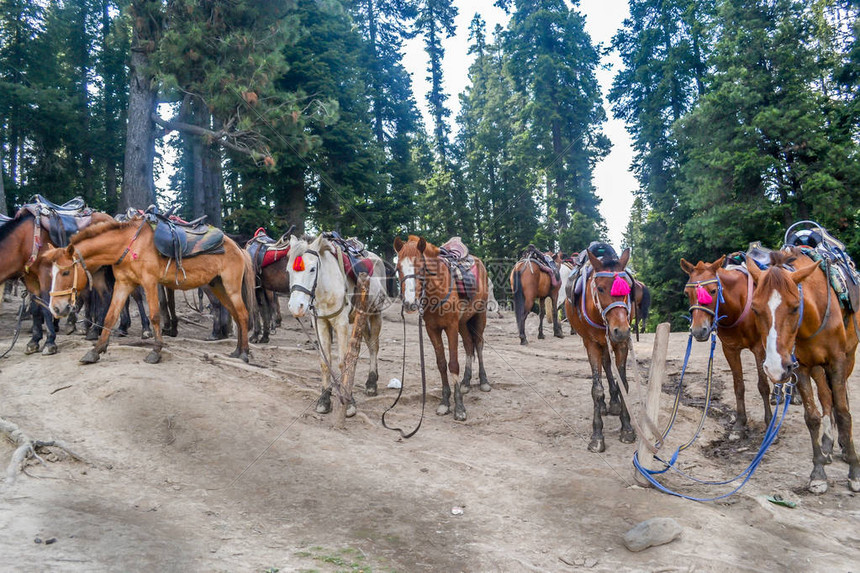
(57, 307)
(300, 301)
(772, 359)
(408, 283)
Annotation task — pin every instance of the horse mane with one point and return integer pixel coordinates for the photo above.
(781, 258)
(7, 229)
(98, 229)
(611, 264)
(411, 247)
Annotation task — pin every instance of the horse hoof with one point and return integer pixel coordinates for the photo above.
(597, 445)
(264, 340)
(558, 334)
(71, 330)
(90, 357)
(323, 408)
(541, 336)
(49, 349)
(146, 334)
(817, 486)
(854, 484)
(627, 436)
(350, 411)
(485, 387)
(524, 342)
(32, 348)
(736, 435)
(460, 415)
(154, 357)
(253, 340)
(464, 388)
(172, 333)
(828, 458)
(442, 410)
(614, 409)
(92, 334)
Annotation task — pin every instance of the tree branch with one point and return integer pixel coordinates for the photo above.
(226, 138)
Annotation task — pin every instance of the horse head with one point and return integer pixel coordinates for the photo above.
(778, 308)
(304, 267)
(69, 276)
(703, 291)
(412, 268)
(610, 294)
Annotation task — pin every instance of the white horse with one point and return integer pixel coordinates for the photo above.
(320, 286)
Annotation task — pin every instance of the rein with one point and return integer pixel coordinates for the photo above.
(18, 323)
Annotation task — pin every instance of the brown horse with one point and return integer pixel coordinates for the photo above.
(428, 286)
(713, 290)
(801, 327)
(529, 281)
(129, 247)
(601, 315)
(17, 249)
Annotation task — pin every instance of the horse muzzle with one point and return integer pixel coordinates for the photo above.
(60, 309)
(781, 374)
(618, 333)
(298, 309)
(701, 332)
(410, 307)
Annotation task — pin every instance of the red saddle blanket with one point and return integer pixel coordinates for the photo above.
(354, 266)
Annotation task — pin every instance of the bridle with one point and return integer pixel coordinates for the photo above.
(625, 302)
(73, 290)
(312, 292)
(422, 276)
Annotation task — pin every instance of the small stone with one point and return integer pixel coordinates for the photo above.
(456, 511)
(655, 531)
(37, 540)
(50, 541)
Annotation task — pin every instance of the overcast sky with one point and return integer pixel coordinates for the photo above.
(612, 178)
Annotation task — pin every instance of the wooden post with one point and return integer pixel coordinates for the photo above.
(656, 377)
(343, 389)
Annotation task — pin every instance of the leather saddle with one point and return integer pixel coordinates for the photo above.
(544, 263)
(265, 250)
(456, 255)
(61, 221)
(178, 239)
(355, 256)
(454, 249)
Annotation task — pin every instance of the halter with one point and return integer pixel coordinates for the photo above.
(422, 303)
(312, 293)
(73, 290)
(604, 311)
(715, 314)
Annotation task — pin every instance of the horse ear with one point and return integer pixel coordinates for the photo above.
(718, 264)
(293, 241)
(70, 250)
(422, 244)
(753, 270)
(803, 273)
(595, 262)
(398, 243)
(625, 258)
(687, 266)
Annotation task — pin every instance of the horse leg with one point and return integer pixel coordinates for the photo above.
(38, 320)
(469, 347)
(454, 369)
(595, 359)
(522, 314)
(738, 431)
(828, 414)
(342, 331)
(818, 478)
(324, 335)
(541, 314)
(266, 316)
(232, 303)
(763, 381)
(372, 330)
(435, 336)
(556, 323)
(151, 292)
(275, 303)
(477, 324)
(121, 291)
(628, 435)
(51, 341)
(167, 303)
(839, 389)
(261, 304)
(614, 394)
(142, 304)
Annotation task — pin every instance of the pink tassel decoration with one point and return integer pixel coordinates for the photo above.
(620, 287)
(703, 295)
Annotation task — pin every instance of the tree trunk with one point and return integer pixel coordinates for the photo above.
(138, 186)
(560, 195)
(3, 210)
(294, 208)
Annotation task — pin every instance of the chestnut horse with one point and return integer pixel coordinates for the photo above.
(129, 247)
(16, 249)
(428, 286)
(713, 290)
(601, 316)
(530, 282)
(801, 326)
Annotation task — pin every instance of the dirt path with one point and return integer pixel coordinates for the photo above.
(203, 463)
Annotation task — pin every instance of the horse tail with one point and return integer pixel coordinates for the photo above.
(249, 283)
(390, 279)
(644, 305)
(519, 296)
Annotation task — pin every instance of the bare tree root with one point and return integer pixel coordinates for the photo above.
(28, 448)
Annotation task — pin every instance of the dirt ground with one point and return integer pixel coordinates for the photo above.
(203, 463)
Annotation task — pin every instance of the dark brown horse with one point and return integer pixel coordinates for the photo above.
(713, 290)
(272, 280)
(130, 248)
(428, 286)
(530, 280)
(802, 326)
(601, 314)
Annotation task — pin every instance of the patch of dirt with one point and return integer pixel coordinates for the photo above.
(204, 463)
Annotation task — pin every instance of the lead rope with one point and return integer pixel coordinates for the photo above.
(18, 324)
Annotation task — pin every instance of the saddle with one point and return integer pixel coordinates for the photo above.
(543, 262)
(264, 250)
(602, 251)
(355, 257)
(61, 221)
(814, 241)
(178, 239)
(455, 255)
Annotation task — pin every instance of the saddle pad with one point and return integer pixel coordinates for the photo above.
(455, 248)
(274, 255)
(61, 227)
(551, 270)
(354, 266)
(465, 273)
(178, 242)
(843, 279)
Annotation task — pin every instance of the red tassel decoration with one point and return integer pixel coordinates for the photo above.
(703, 296)
(299, 264)
(620, 287)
